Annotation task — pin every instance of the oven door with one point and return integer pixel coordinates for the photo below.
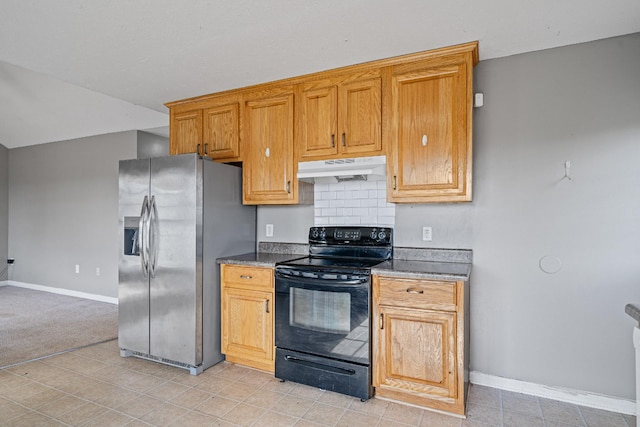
(323, 313)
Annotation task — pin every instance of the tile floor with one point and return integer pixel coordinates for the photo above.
(94, 386)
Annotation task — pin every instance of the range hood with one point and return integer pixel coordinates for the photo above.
(352, 169)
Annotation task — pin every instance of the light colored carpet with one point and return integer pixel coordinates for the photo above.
(34, 324)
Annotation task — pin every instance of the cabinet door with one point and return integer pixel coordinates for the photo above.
(186, 132)
(221, 131)
(268, 172)
(317, 119)
(247, 324)
(416, 352)
(359, 116)
(431, 134)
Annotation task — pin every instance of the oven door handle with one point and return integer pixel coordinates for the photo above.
(320, 366)
(315, 281)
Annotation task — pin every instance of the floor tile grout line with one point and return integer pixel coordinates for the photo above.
(57, 354)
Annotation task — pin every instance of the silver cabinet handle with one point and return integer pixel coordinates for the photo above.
(381, 320)
(415, 291)
(343, 139)
(198, 149)
(142, 238)
(288, 186)
(266, 306)
(153, 236)
(333, 140)
(244, 276)
(206, 149)
(395, 182)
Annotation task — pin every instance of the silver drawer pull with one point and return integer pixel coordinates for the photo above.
(244, 276)
(415, 291)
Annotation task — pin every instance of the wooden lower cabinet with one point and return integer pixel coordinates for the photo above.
(247, 316)
(420, 342)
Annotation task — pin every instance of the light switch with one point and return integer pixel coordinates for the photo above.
(269, 230)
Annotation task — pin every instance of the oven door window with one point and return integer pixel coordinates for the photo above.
(321, 311)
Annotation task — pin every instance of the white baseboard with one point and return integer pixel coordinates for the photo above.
(577, 397)
(61, 291)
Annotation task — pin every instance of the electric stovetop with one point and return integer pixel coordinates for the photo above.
(329, 262)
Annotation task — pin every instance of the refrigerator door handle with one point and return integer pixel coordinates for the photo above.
(142, 236)
(153, 236)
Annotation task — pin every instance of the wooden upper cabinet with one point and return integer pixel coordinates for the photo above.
(318, 121)
(430, 130)
(416, 109)
(221, 134)
(359, 116)
(210, 128)
(340, 116)
(268, 171)
(185, 132)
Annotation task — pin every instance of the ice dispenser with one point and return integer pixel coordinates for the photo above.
(131, 230)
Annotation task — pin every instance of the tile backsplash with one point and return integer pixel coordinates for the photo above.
(353, 203)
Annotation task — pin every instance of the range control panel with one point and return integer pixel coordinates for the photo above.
(360, 236)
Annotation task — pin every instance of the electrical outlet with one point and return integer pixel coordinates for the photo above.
(269, 230)
(427, 235)
(97, 271)
(77, 268)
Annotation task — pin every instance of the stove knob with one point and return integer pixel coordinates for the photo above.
(314, 233)
(323, 233)
(373, 234)
(382, 235)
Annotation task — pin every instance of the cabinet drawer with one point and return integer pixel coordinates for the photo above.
(247, 276)
(421, 294)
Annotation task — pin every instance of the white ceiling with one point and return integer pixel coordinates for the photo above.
(73, 68)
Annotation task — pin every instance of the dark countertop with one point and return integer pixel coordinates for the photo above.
(633, 310)
(258, 259)
(417, 269)
(439, 264)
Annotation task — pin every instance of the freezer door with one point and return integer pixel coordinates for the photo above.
(133, 285)
(175, 291)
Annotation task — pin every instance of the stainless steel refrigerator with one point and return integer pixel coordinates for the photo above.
(177, 215)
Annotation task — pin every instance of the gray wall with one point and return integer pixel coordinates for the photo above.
(290, 223)
(151, 145)
(63, 211)
(579, 103)
(4, 211)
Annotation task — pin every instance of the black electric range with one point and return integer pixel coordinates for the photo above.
(323, 309)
